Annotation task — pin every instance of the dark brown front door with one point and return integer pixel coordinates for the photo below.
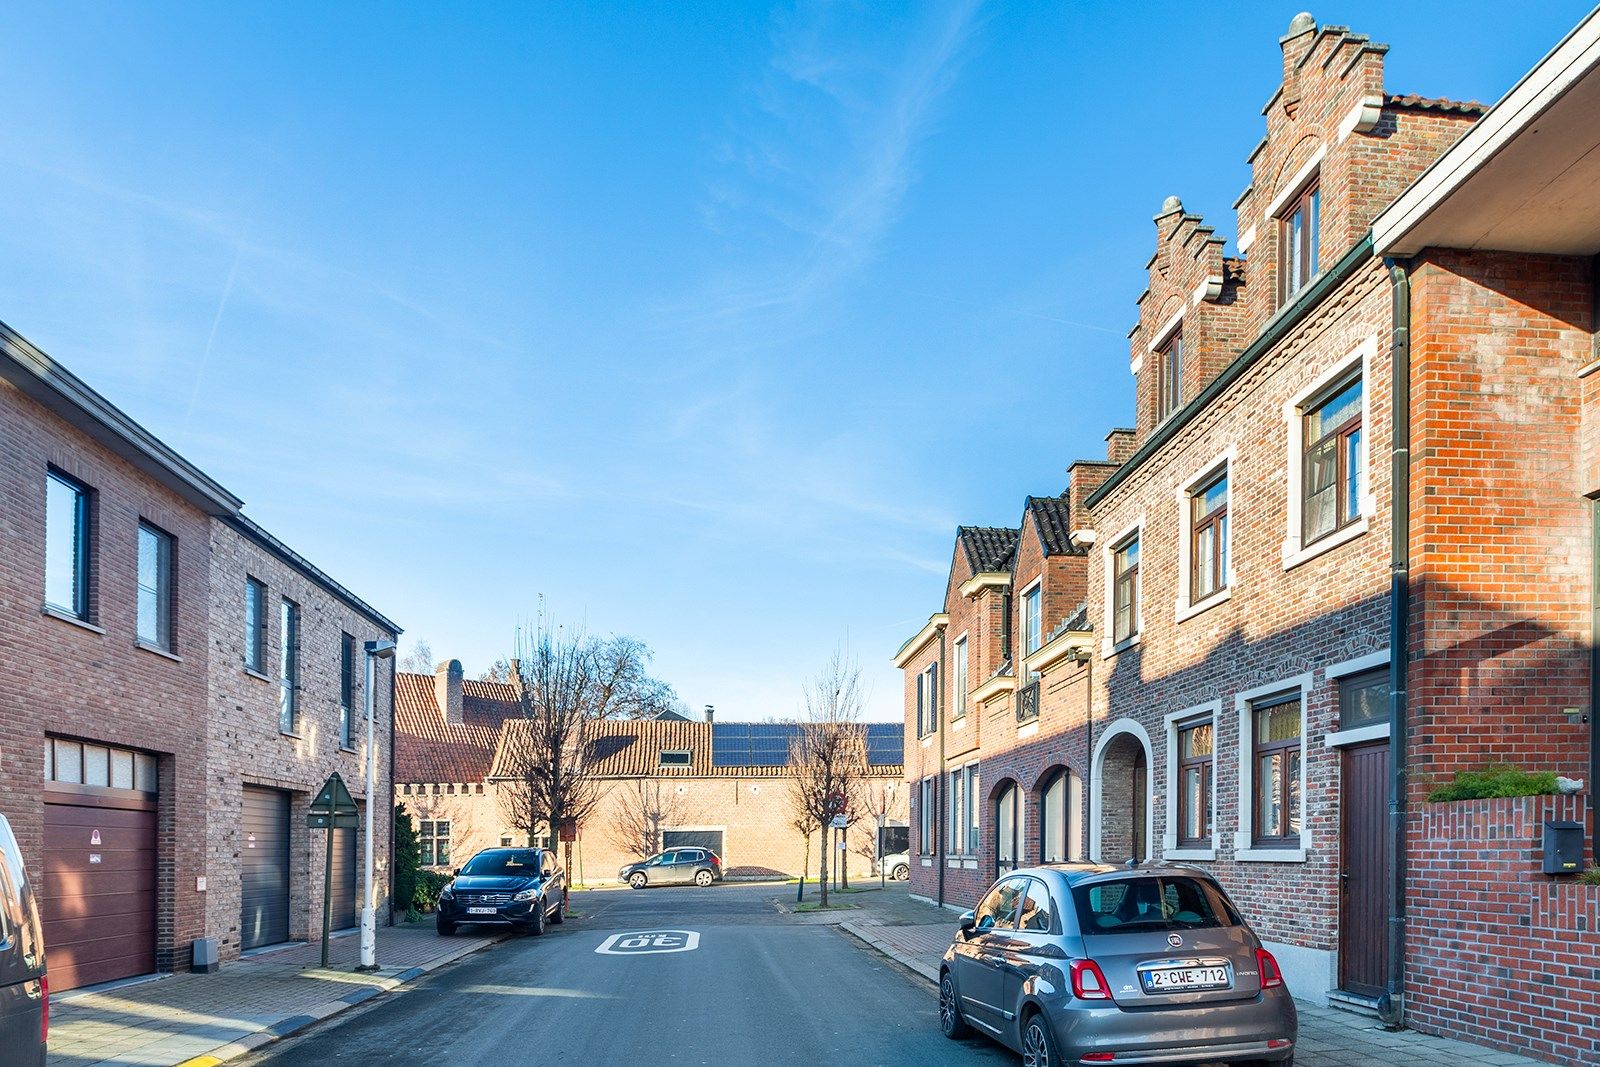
(264, 868)
(1364, 907)
(98, 894)
(344, 879)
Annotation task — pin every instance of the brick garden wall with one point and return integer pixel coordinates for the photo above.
(1497, 952)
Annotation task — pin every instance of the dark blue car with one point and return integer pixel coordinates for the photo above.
(524, 888)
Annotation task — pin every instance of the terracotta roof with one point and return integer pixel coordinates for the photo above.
(427, 749)
(1054, 521)
(988, 548)
(1413, 102)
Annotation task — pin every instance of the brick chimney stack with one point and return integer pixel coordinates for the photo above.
(710, 712)
(447, 690)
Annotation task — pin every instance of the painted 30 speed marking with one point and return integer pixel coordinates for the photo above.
(649, 943)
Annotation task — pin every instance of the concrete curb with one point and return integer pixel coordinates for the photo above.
(294, 1023)
(864, 933)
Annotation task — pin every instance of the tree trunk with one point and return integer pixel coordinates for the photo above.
(806, 866)
(844, 859)
(823, 880)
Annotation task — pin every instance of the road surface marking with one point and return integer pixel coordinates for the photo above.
(649, 942)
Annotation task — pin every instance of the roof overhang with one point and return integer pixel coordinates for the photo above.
(1059, 648)
(1524, 178)
(985, 580)
(60, 391)
(1000, 683)
(936, 623)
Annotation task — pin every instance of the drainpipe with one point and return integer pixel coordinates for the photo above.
(1391, 1005)
(940, 801)
(1088, 756)
(1594, 595)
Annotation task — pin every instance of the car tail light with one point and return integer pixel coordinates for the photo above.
(44, 1013)
(1088, 983)
(1271, 976)
(1097, 1057)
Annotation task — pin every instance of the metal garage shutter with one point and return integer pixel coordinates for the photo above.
(264, 868)
(98, 894)
(344, 879)
(711, 839)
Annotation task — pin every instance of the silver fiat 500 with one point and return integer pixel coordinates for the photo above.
(1083, 963)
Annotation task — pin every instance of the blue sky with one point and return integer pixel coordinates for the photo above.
(703, 323)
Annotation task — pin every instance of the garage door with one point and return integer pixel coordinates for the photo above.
(264, 868)
(344, 879)
(711, 839)
(98, 895)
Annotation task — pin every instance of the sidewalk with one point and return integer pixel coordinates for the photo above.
(915, 935)
(211, 1018)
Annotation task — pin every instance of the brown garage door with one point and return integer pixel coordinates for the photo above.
(264, 868)
(344, 879)
(98, 895)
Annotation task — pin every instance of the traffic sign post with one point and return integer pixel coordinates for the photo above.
(332, 809)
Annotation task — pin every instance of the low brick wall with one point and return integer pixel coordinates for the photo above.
(1497, 952)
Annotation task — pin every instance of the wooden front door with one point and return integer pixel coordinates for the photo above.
(1364, 902)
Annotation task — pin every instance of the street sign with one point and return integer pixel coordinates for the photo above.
(344, 820)
(334, 797)
(835, 803)
(840, 822)
(569, 830)
(333, 808)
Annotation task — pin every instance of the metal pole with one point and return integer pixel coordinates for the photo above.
(369, 930)
(327, 884)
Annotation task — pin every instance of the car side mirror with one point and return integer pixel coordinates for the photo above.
(458, 871)
(968, 920)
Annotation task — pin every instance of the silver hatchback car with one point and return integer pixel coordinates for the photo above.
(1083, 963)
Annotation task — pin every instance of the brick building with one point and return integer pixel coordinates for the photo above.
(129, 735)
(1200, 637)
(722, 786)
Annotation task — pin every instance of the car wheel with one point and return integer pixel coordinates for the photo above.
(446, 929)
(1038, 1043)
(536, 927)
(901, 872)
(637, 880)
(950, 1020)
(559, 916)
(703, 878)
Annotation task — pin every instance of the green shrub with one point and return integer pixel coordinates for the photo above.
(1496, 782)
(1590, 877)
(407, 858)
(429, 884)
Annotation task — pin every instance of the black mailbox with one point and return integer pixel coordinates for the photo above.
(1563, 847)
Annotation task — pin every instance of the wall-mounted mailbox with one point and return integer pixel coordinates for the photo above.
(1563, 847)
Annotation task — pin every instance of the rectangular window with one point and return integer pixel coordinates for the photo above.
(956, 823)
(1196, 753)
(1364, 699)
(958, 699)
(972, 810)
(103, 766)
(155, 587)
(1030, 621)
(1297, 243)
(66, 546)
(288, 665)
(347, 670)
(927, 818)
(928, 700)
(1125, 594)
(434, 839)
(1169, 375)
(1276, 750)
(255, 626)
(1332, 475)
(675, 757)
(1208, 538)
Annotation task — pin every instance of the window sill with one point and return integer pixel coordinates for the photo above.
(1295, 554)
(71, 619)
(1189, 854)
(288, 733)
(1270, 855)
(927, 742)
(1109, 650)
(157, 650)
(970, 865)
(1339, 738)
(252, 672)
(1188, 611)
(347, 748)
(959, 723)
(926, 862)
(1028, 729)
(953, 861)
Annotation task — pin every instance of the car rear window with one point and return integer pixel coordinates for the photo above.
(1151, 902)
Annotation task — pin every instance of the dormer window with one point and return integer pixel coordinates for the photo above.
(675, 757)
(1298, 226)
(1169, 375)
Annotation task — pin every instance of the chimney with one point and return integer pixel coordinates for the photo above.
(447, 690)
(710, 712)
(1120, 445)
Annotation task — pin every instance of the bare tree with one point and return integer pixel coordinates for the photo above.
(639, 811)
(419, 660)
(564, 682)
(828, 755)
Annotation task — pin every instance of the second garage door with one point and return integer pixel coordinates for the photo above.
(264, 868)
(344, 879)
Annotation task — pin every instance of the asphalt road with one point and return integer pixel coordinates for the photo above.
(757, 989)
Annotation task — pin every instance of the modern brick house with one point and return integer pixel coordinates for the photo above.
(721, 786)
(130, 731)
(1346, 550)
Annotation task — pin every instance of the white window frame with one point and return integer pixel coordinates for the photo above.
(928, 819)
(1185, 607)
(1174, 722)
(1244, 848)
(686, 753)
(928, 701)
(1035, 588)
(1108, 645)
(1338, 671)
(960, 667)
(1295, 551)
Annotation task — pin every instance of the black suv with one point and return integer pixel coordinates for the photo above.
(522, 887)
(24, 989)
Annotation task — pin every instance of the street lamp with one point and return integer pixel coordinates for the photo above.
(376, 650)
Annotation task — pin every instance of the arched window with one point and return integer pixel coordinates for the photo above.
(1055, 811)
(1008, 829)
